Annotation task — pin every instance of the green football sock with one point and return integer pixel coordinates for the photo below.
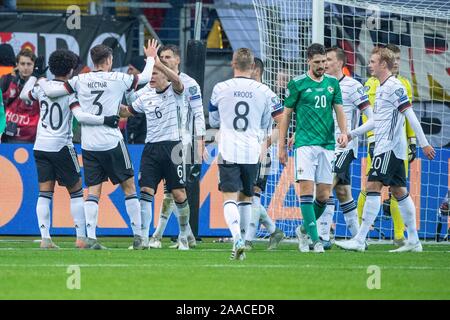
(319, 208)
(309, 220)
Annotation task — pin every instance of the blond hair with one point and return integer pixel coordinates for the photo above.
(385, 55)
(243, 59)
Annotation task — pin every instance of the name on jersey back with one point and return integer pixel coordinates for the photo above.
(243, 94)
(96, 85)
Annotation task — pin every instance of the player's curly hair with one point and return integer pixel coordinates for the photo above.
(61, 62)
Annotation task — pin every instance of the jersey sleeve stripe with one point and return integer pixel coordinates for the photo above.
(212, 107)
(68, 88)
(73, 105)
(404, 106)
(30, 95)
(277, 112)
(134, 83)
(364, 105)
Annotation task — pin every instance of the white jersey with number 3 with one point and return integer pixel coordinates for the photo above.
(54, 130)
(243, 108)
(101, 93)
(390, 103)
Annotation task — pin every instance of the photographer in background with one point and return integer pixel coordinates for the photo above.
(21, 117)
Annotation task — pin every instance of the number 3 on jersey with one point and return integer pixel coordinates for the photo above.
(96, 103)
(321, 101)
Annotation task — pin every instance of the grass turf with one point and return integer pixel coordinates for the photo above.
(26, 272)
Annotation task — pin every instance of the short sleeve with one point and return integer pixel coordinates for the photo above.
(274, 103)
(360, 99)
(73, 101)
(292, 95)
(400, 99)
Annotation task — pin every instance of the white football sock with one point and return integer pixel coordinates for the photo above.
(370, 213)
(349, 209)
(254, 221)
(245, 211)
(265, 220)
(166, 210)
(146, 213)
(43, 212)
(325, 220)
(77, 210)
(183, 217)
(91, 212)
(408, 212)
(134, 212)
(232, 217)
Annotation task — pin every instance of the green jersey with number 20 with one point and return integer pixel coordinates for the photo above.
(313, 103)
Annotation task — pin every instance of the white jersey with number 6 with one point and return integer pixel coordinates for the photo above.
(242, 108)
(101, 93)
(165, 113)
(54, 129)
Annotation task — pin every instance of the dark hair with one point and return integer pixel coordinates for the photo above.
(259, 64)
(7, 56)
(100, 53)
(340, 54)
(175, 49)
(62, 61)
(393, 48)
(315, 48)
(26, 53)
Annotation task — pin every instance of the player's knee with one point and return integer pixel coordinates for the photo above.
(128, 186)
(374, 186)
(342, 192)
(398, 192)
(77, 186)
(179, 195)
(148, 190)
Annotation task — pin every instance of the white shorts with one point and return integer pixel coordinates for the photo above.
(314, 163)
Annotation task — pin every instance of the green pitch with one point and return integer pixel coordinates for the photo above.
(206, 272)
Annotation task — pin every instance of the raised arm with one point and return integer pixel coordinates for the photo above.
(171, 75)
(151, 52)
(27, 89)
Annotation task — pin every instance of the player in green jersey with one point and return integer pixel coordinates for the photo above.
(313, 96)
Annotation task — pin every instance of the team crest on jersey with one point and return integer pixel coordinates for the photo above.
(193, 90)
(330, 89)
(275, 100)
(362, 90)
(399, 92)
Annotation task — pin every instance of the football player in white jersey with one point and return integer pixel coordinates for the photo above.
(171, 57)
(162, 158)
(242, 108)
(259, 213)
(105, 154)
(391, 107)
(354, 101)
(56, 159)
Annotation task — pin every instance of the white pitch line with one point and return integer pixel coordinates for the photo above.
(230, 265)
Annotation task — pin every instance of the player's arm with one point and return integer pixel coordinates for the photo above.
(214, 116)
(428, 150)
(27, 94)
(196, 106)
(340, 115)
(173, 77)
(133, 95)
(130, 111)
(366, 127)
(290, 101)
(55, 89)
(151, 52)
(91, 119)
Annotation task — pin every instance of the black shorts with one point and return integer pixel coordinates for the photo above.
(263, 172)
(342, 166)
(162, 160)
(61, 166)
(235, 177)
(114, 164)
(388, 169)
